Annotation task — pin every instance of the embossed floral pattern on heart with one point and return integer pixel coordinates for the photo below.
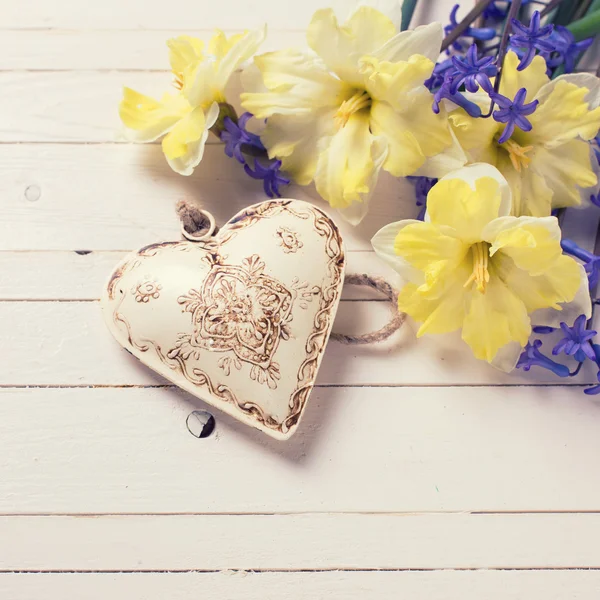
(288, 240)
(239, 309)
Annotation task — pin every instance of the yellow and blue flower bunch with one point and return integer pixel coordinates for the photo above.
(489, 116)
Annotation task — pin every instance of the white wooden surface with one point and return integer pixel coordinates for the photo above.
(417, 472)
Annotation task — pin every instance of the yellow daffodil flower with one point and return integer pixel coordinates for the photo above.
(354, 105)
(546, 167)
(185, 116)
(472, 266)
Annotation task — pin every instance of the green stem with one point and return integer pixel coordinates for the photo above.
(593, 6)
(564, 14)
(225, 110)
(582, 9)
(551, 6)
(408, 8)
(466, 22)
(587, 27)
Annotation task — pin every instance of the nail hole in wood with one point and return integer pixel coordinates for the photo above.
(200, 423)
(32, 193)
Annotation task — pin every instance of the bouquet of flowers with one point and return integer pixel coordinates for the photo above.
(489, 116)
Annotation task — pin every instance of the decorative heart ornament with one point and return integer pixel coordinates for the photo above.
(240, 319)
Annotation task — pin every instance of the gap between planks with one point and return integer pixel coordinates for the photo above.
(379, 386)
(297, 513)
(324, 570)
(234, 585)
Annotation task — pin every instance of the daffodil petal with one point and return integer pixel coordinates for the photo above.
(184, 145)
(565, 169)
(586, 193)
(412, 135)
(237, 53)
(148, 119)
(580, 305)
(433, 250)
(392, 82)
(354, 213)
(184, 51)
(349, 163)
(383, 243)
(341, 47)
(555, 286)
(582, 80)
(530, 194)
(219, 45)
(295, 139)
(468, 199)
(390, 8)
(200, 87)
(495, 319)
(437, 314)
(532, 243)
(507, 357)
(532, 78)
(441, 164)
(476, 136)
(473, 172)
(296, 83)
(208, 80)
(425, 40)
(405, 155)
(564, 115)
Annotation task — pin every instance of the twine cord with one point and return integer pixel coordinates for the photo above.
(396, 321)
(195, 222)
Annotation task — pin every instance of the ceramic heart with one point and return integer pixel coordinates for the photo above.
(240, 320)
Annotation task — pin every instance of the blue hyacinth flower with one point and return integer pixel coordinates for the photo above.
(531, 38)
(513, 113)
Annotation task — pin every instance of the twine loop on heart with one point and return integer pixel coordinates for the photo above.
(198, 225)
(396, 321)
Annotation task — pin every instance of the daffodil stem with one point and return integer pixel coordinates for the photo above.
(587, 27)
(512, 14)
(564, 14)
(254, 151)
(408, 8)
(465, 23)
(225, 110)
(576, 371)
(582, 9)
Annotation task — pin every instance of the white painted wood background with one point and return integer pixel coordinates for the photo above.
(417, 472)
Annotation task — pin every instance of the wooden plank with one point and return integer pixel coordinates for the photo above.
(68, 106)
(119, 197)
(74, 451)
(73, 275)
(68, 50)
(67, 343)
(232, 585)
(137, 14)
(299, 542)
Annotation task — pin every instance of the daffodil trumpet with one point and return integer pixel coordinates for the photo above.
(472, 266)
